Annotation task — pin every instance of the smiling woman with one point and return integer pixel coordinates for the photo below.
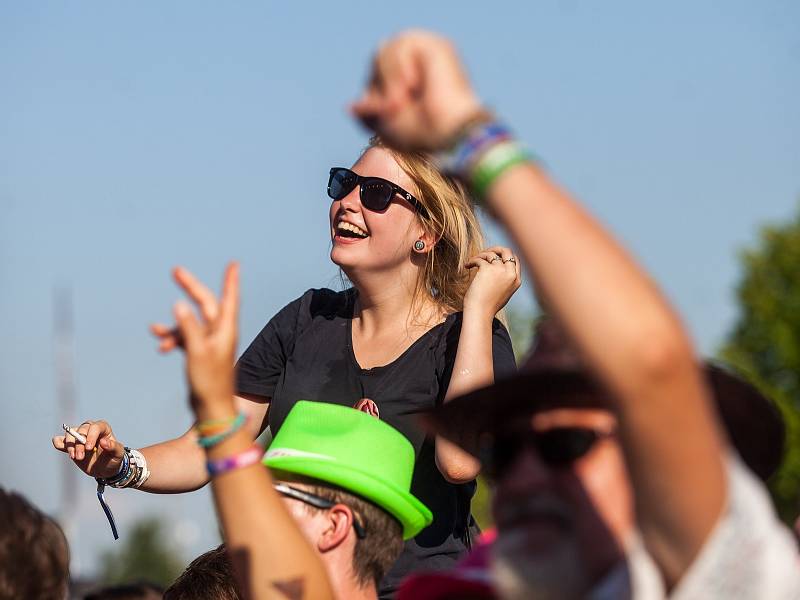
(416, 328)
(408, 240)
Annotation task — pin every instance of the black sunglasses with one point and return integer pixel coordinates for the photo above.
(316, 502)
(559, 447)
(376, 193)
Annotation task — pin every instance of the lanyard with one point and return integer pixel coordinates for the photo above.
(100, 489)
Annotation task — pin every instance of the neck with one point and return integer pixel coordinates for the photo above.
(343, 581)
(386, 301)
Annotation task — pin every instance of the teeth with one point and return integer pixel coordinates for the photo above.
(352, 228)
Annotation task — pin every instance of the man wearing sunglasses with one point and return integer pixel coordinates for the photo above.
(564, 505)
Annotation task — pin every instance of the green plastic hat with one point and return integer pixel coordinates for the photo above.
(354, 451)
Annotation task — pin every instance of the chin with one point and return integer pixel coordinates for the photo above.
(519, 572)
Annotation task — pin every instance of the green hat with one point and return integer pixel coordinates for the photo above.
(354, 451)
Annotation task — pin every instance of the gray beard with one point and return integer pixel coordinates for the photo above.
(558, 575)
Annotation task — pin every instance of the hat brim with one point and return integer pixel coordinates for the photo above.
(753, 423)
(403, 506)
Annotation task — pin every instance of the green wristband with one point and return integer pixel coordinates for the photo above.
(494, 162)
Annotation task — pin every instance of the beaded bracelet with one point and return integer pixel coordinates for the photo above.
(494, 162)
(245, 458)
(207, 441)
(483, 150)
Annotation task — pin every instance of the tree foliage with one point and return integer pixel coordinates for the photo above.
(765, 342)
(146, 555)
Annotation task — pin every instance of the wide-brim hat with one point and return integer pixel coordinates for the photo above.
(553, 376)
(353, 451)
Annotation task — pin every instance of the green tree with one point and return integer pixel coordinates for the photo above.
(145, 555)
(765, 342)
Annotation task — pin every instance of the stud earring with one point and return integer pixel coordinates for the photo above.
(419, 245)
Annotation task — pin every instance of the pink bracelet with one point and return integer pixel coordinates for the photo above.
(245, 458)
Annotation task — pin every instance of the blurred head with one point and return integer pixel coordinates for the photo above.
(562, 504)
(348, 531)
(208, 577)
(34, 555)
(128, 591)
(384, 241)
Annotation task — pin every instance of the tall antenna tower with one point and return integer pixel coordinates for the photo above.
(65, 392)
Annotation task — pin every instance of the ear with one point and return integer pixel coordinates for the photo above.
(339, 526)
(428, 238)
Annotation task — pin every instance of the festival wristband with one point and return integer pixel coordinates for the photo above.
(494, 162)
(245, 458)
(213, 426)
(207, 441)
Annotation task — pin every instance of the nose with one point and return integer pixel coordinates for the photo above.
(527, 473)
(352, 201)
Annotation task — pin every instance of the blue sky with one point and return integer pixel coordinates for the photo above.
(134, 137)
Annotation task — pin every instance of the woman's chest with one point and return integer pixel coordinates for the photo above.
(323, 368)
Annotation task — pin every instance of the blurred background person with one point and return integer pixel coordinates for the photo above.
(34, 555)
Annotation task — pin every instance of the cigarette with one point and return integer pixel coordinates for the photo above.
(74, 433)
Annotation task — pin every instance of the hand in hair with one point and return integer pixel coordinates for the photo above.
(418, 93)
(496, 277)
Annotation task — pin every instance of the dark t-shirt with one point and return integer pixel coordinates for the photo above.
(305, 353)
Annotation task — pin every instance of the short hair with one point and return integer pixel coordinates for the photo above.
(209, 576)
(34, 554)
(378, 550)
(140, 590)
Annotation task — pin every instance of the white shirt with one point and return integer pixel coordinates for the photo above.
(750, 554)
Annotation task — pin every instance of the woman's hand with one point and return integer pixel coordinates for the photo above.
(209, 342)
(418, 93)
(496, 280)
(101, 456)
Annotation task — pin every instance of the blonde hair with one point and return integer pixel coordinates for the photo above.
(451, 219)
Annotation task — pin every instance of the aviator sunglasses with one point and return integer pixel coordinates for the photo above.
(376, 193)
(558, 448)
(316, 502)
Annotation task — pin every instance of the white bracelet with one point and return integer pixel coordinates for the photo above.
(138, 459)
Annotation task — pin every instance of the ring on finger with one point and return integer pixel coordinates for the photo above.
(495, 258)
(511, 260)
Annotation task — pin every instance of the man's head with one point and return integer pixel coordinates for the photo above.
(208, 577)
(367, 539)
(548, 438)
(345, 477)
(129, 591)
(34, 555)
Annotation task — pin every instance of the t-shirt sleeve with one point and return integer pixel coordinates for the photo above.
(749, 554)
(503, 359)
(505, 365)
(261, 365)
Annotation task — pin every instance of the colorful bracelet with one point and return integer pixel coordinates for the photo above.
(494, 162)
(207, 441)
(214, 426)
(123, 473)
(245, 458)
(482, 152)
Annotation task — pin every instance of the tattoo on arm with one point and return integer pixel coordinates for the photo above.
(293, 588)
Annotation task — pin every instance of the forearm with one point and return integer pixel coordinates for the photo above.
(472, 369)
(179, 465)
(175, 466)
(635, 343)
(270, 556)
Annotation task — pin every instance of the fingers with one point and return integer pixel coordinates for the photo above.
(169, 337)
(94, 430)
(59, 443)
(229, 305)
(190, 328)
(199, 293)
